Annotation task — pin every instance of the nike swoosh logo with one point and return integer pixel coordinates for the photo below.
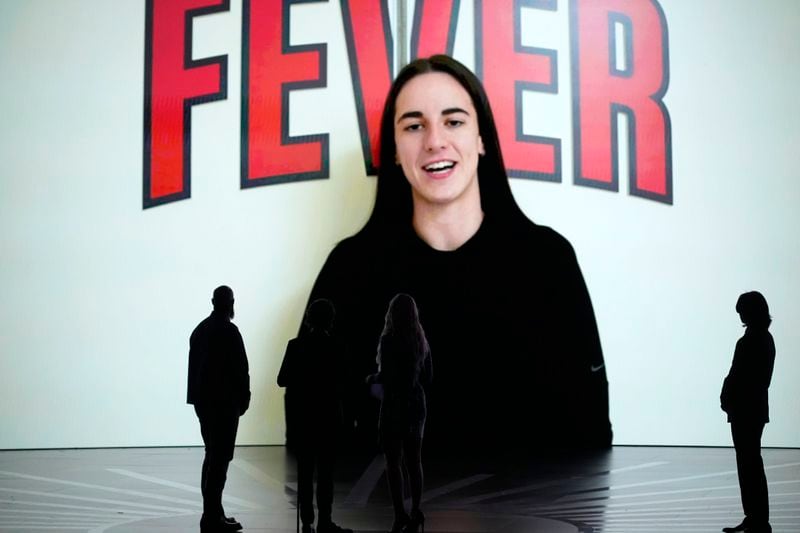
(598, 367)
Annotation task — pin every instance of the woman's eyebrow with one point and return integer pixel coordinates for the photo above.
(410, 114)
(451, 110)
(445, 112)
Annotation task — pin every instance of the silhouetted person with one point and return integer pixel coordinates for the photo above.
(404, 370)
(311, 371)
(219, 389)
(506, 310)
(744, 397)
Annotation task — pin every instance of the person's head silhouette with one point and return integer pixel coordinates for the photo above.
(319, 316)
(402, 324)
(753, 310)
(402, 313)
(222, 301)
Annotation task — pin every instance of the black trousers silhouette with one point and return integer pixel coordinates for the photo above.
(310, 457)
(752, 480)
(218, 426)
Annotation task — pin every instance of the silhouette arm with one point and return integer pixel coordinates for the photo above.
(762, 359)
(426, 376)
(769, 362)
(578, 330)
(191, 391)
(725, 395)
(375, 382)
(244, 372)
(732, 385)
(286, 375)
(198, 356)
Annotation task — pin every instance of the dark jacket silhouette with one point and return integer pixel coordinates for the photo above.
(218, 367)
(744, 393)
(311, 372)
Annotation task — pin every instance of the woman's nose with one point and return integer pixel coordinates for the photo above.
(434, 138)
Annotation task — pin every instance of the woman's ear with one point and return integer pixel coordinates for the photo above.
(481, 149)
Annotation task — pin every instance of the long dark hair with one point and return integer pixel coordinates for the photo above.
(754, 310)
(319, 317)
(393, 201)
(402, 362)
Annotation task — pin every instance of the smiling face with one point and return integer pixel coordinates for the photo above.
(438, 141)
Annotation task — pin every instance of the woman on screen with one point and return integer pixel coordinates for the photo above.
(505, 307)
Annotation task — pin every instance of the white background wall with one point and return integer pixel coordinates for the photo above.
(99, 296)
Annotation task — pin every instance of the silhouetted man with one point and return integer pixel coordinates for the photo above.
(219, 389)
(744, 397)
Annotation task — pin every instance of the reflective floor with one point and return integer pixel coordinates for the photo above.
(627, 489)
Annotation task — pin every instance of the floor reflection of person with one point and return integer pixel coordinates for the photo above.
(219, 389)
(405, 370)
(745, 399)
(310, 372)
(503, 300)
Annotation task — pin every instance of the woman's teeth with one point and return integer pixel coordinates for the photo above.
(439, 166)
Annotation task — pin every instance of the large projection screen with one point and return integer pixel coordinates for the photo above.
(102, 287)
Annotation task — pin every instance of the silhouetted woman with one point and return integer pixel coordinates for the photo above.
(744, 397)
(404, 370)
(311, 371)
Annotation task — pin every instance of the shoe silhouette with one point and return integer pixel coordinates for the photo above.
(736, 529)
(399, 525)
(415, 523)
(331, 527)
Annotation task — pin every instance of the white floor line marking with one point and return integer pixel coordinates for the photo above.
(711, 511)
(359, 494)
(663, 510)
(97, 500)
(700, 489)
(259, 475)
(676, 479)
(105, 488)
(661, 502)
(506, 492)
(659, 529)
(57, 518)
(648, 521)
(454, 486)
(55, 521)
(181, 486)
(775, 508)
(104, 528)
(128, 512)
(637, 467)
(22, 527)
(556, 482)
(550, 483)
(684, 491)
(10, 510)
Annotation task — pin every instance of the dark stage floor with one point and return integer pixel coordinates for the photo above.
(627, 489)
